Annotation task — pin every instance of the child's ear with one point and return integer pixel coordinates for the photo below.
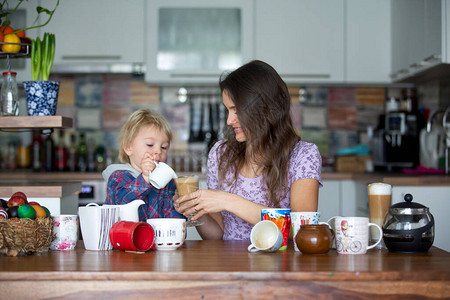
(128, 150)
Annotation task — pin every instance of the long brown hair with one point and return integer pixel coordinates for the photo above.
(263, 108)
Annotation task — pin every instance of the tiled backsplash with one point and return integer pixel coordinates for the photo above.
(331, 117)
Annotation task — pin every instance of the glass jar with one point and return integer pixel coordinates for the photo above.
(9, 95)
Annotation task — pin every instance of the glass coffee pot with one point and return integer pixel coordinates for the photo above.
(408, 227)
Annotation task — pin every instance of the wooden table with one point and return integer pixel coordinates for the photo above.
(224, 269)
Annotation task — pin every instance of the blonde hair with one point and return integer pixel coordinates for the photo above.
(137, 120)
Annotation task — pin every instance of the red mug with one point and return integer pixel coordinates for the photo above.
(132, 236)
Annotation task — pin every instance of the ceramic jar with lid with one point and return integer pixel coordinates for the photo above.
(314, 238)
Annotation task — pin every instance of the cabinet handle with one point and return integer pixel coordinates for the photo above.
(417, 65)
(193, 75)
(91, 57)
(305, 75)
(432, 57)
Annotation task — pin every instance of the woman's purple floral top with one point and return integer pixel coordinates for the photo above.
(305, 162)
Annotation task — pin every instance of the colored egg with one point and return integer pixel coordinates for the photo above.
(3, 203)
(40, 211)
(3, 213)
(26, 211)
(12, 212)
(47, 212)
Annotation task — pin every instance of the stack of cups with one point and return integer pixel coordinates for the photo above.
(379, 202)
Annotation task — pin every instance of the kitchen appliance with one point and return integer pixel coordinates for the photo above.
(92, 191)
(432, 142)
(402, 138)
(408, 227)
(446, 125)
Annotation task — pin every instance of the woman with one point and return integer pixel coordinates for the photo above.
(261, 163)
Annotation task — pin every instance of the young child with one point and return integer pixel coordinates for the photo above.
(144, 138)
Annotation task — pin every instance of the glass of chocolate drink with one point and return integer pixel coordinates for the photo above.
(186, 185)
(379, 203)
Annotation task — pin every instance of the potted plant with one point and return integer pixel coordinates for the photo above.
(41, 93)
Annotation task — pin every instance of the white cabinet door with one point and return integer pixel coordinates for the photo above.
(194, 42)
(418, 36)
(100, 31)
(368, 41)
(437, 199)
(302, 39)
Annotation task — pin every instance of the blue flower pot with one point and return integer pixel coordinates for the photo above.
(42, 97)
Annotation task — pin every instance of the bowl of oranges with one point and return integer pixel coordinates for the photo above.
(25, 227)
(13, 42)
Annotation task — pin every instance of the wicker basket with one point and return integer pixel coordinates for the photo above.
(25, 236)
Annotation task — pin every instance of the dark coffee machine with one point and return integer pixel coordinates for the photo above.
(396, 140)
(402, 139)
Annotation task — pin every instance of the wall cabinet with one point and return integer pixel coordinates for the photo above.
(195, 41)
(368, 41)
(303, 40)
(90, 33)
(420, 30)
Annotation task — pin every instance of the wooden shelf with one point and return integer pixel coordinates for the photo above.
(35, 122)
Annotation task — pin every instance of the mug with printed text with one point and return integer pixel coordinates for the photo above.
(352, 234)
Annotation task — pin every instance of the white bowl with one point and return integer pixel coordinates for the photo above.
(169, 232)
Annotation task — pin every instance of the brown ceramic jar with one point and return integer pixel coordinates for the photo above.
(314, 238)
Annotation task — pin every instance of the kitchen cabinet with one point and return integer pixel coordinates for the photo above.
(93, 34)
(195, 41)
(343, 198)
(367, 41)
(58, 198)
(437, 199)
(303, 40)
(420, 30)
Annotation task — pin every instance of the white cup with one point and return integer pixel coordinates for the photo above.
(65, 228)
(352, 234)
(161, 175)
(299, 218)
(265, 236)
(169, 232)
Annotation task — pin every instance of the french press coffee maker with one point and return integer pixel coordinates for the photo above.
(408, 227)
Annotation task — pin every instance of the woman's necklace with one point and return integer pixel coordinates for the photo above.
(254, 171)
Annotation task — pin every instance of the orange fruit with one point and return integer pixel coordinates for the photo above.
(6, 29)
(40, 211)
(20, 34)
(11, 38)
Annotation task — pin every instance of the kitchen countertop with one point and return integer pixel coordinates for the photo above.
(216, 269)
(397, 179)
(44, 190)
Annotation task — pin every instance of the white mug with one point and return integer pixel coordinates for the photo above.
(352, 234)
(299, 218)
(65, 228)
(95, 223)
(161, 175)
(265, 236)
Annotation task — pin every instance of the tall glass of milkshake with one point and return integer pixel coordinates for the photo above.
(379, 203)
(186, 185)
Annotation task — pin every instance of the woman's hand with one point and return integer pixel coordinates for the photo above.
(200, 202)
